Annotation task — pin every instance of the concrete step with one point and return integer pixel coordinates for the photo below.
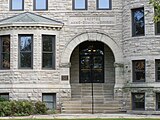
(81, 99)
(89, 111)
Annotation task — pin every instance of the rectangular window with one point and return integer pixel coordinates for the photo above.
(157, 28)
(138, 22)
(48, 53)
(138, 70)
(4, 96)
(40, 4)
(157, 23)
(50, 100)
(103, 4)
(157, 68)
(158, 101)
(16, 5)
(26, 54)
(5, 52)
(80, 4)
(138, 101)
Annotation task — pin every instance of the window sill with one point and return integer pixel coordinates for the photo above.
(47, 69)
(138, 36)
(103, 9)
(138, 109)
(40, 10)
(138, 81)
(16, 10)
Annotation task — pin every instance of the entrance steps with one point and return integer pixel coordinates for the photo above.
(81, 99)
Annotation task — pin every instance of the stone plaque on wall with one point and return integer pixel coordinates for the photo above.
(92, 20)
(64, 77)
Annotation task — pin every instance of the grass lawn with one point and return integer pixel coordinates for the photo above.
(90, 119)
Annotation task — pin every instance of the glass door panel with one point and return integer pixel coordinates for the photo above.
(91, 62)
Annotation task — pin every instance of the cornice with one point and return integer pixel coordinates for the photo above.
(30, 26)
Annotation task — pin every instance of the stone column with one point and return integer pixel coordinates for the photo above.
(119, 83)
(65, 92)
(119, 75)
(14, 64)
(150, 100)
(37, 51)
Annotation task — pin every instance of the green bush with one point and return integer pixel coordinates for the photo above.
(21, 108)
(40, 108)
(5, 109)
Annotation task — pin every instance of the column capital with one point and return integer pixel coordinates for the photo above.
(118, 65)
(65, 65)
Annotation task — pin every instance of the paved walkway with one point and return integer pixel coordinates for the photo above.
(76, 116)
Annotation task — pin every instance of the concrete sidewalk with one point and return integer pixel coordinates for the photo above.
(79, 116)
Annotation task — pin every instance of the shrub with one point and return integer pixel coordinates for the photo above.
(40, 108)
(5, 109)
(21, 108)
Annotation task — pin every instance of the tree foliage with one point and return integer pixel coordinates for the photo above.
(156, 5)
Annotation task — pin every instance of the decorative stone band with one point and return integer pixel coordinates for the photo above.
(118, 65)
(30, 26)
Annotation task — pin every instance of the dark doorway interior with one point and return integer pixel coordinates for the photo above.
(91, 62)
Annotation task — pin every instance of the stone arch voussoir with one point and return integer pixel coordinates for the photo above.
(92, 36)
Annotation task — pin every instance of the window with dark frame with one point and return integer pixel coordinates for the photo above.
(157, 24)
(16, 5)
(5, 52)
(138, 101)
(157, 70)
(4, 96)
(138, 24)
(40, 4)
(50, 100)
(138, 70)
(103, 4)
(48, 52)
(157, 101)
(79, 4)
(25, 51)
(157, 28)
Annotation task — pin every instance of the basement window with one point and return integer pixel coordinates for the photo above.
(158, 101)
(50, 100)
(4, 96)
(138, 101)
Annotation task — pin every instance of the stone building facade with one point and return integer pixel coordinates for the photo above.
(98, 59)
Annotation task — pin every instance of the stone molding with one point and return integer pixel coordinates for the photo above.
(92, 36)
(29, 27)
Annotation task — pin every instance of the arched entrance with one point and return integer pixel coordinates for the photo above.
(92, 76)
(87, 80)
